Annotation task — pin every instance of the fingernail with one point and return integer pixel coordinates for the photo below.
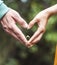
(29, 46)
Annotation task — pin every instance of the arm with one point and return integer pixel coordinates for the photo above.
(3, 9)
(41, 19)
(51, 10)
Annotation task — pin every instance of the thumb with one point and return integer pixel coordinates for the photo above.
(20, 21)
(31, 23)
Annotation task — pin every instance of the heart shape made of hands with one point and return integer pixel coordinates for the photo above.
(35, 37)
(9, 20)
(9, 25)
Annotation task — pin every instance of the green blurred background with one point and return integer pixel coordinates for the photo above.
(12, 52)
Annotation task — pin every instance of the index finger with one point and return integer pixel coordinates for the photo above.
(35, 41)
(20, 20)
(39, 31)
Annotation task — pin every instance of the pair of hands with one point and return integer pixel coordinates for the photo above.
(9, 25)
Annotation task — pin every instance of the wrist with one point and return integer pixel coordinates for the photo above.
(51, 10)
(3, 10)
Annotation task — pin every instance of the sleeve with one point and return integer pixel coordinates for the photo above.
(3, 9)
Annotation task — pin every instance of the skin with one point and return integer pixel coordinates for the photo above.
(41, 19)
(9, 25)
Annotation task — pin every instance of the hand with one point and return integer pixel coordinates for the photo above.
(41, 19)
(9, 25)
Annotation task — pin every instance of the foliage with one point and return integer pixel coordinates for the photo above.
(12, 52)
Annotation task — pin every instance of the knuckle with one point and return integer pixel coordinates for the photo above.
(10, 27)
(43, 29)
(5, 27)
(37, 19)
(22, 23)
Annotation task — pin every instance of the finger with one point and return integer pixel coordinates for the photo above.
(32, 23)
(29, 44)
(37, 39)
(36, 34)
(5, 27)
(4, 23)
(17, 31)
(13, 34)
(7, 24)
(20, 20)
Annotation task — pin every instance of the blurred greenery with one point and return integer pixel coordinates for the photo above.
(12, 52)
